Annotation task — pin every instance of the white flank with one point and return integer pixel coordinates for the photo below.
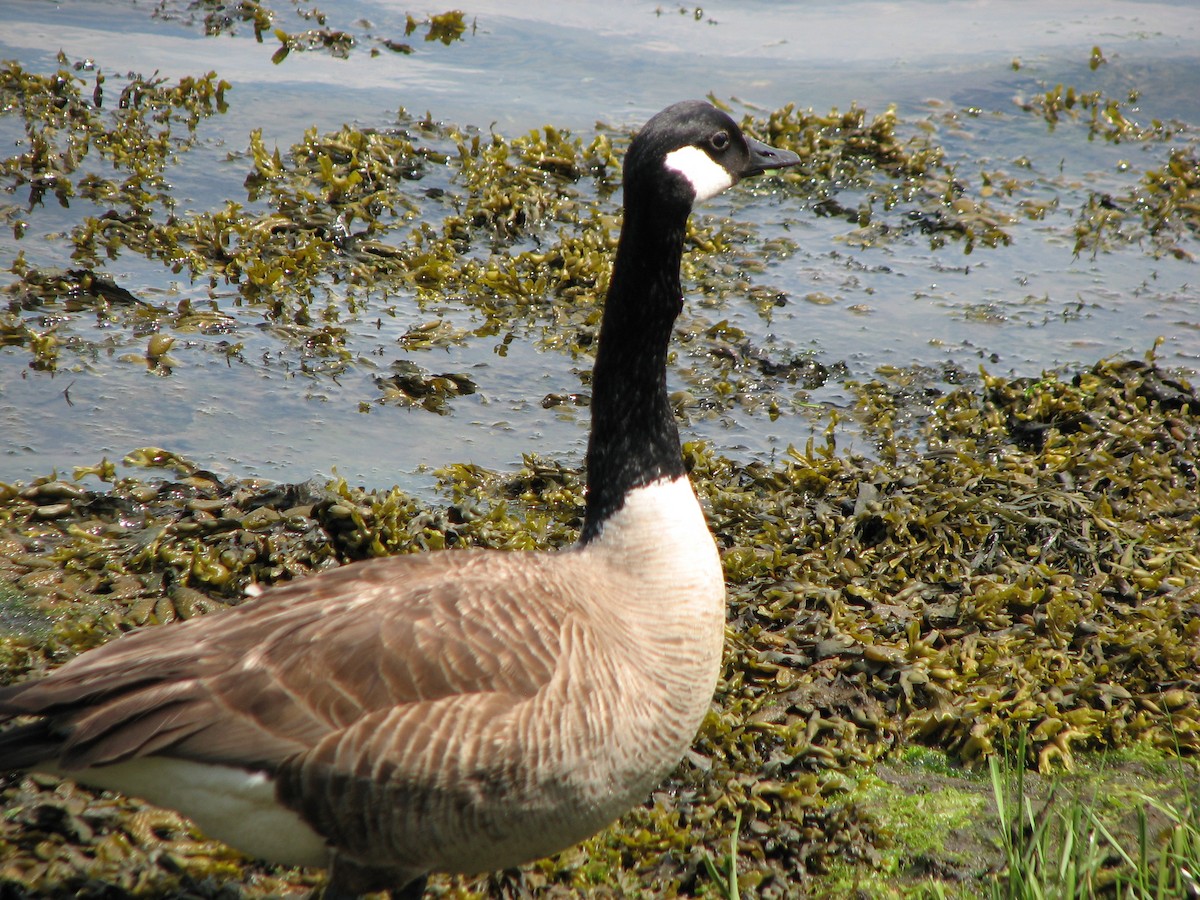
(707, 178)
(229, 804)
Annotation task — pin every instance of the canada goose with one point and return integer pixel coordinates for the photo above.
(462, 711)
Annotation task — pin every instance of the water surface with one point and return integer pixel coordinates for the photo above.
(957, 71)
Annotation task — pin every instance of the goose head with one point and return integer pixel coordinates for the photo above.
(692, 151)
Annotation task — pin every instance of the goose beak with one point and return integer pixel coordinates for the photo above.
(764, 157)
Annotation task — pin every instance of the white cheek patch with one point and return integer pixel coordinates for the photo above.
(706, 177)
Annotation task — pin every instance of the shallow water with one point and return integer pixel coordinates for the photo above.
(947, 67)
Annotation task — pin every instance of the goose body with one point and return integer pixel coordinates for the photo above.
(461, 711)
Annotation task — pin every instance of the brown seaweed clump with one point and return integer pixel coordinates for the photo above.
(1032, 569)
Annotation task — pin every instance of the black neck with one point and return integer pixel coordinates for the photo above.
(634, 440)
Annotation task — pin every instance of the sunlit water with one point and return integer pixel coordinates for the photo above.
(1023, 309)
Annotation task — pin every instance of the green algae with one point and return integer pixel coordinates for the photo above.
(899, 185)
(218, 17)
(353, 226)
(144, 128)
(445, 28)
(354, 223)
(1161, 209)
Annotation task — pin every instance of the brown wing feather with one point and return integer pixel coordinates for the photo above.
(275, 677)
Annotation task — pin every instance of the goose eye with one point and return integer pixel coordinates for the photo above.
(719, 141)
